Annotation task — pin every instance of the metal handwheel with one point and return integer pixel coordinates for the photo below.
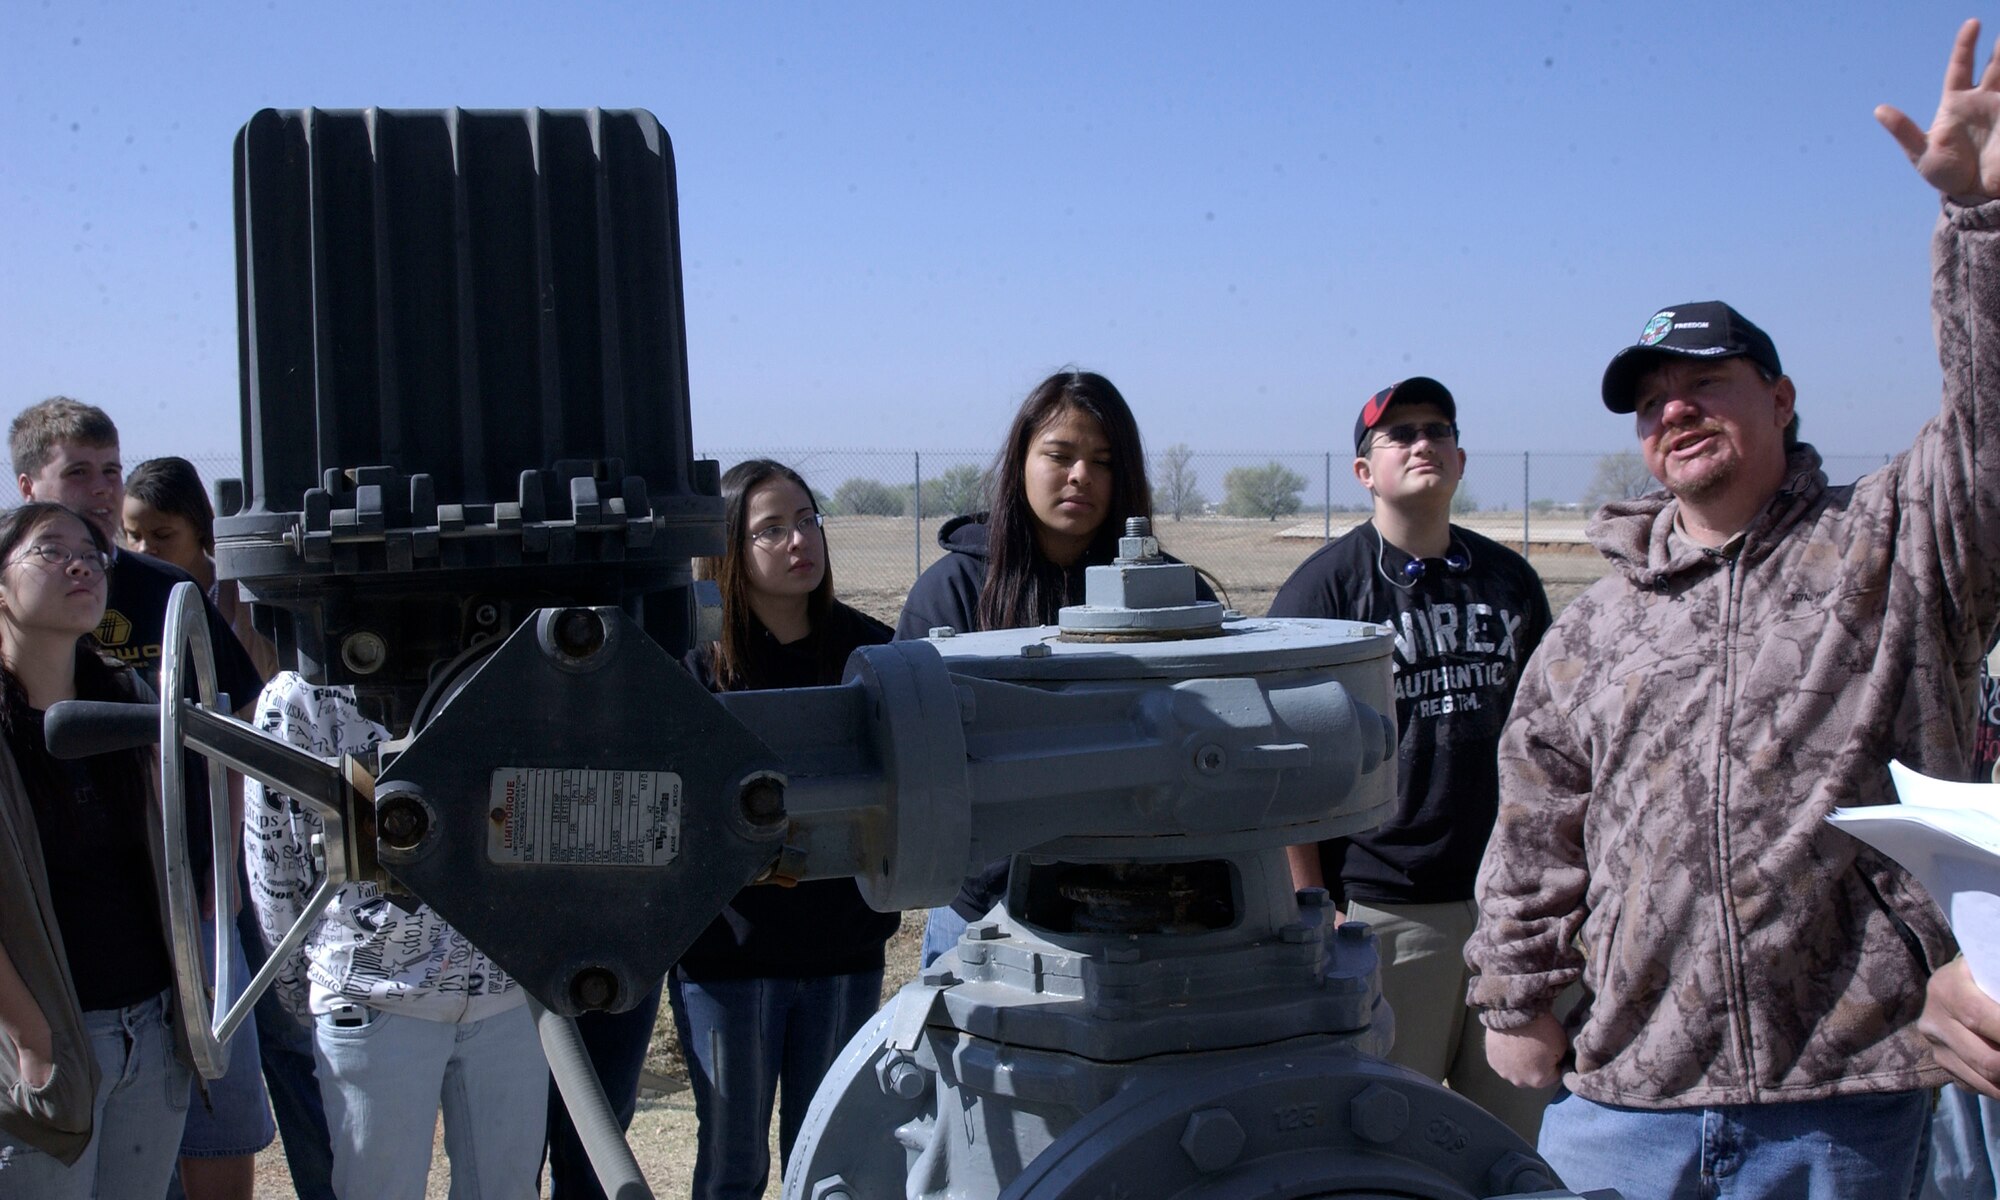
(211, 1009)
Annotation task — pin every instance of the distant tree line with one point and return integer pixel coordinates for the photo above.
(960, 489)
(1269, 491)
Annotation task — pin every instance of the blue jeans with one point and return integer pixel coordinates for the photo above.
(141, 1105)
(1965, 1147)
(942, 929)
(1859, 1146)
(286, 1049)
(385, 1081)
(743, 1040)
(617, 1044)
(235, 1117)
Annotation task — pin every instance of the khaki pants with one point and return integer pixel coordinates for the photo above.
(1424, 978)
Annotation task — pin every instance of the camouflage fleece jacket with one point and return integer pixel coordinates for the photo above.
(1691, 718)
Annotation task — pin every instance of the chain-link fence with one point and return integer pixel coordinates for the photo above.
(1246, 519)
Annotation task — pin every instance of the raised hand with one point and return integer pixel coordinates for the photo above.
(1960, 154)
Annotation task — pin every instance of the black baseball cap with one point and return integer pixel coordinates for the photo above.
(1418, 389)
(1708, 329)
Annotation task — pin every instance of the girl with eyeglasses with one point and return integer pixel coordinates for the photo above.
(94, 1074)
(1071, 471)
(771, 991)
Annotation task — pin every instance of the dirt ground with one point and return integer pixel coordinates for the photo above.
(874, 561)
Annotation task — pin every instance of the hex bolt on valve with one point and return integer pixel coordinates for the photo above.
(1213, 1139)
(833, 1187)
(1378, 1114)
(901, 1077)
(1516, 1172)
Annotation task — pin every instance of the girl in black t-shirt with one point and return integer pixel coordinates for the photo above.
(776, 985)
(85, 971)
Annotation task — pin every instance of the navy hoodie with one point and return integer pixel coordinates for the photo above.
(947, 593)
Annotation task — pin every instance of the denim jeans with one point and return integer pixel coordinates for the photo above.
(617, 1044)
(1860, 1146)
(286, 1049)
(942, 929)
(142, 1103)
(234, 1119)
(1965, 1147)
(744, 1040)
(385, 1080)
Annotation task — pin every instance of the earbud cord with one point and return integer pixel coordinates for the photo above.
(1463, 564)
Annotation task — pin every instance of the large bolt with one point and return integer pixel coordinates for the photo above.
(763, 801)
(593, 988)
(1137, 526)
(1314, 897)
(364, 652)
(1210, 759)
(901, 1077)
(1213, 1139)
(579, 632)
(1378, 1114)
(401, 821)
(1516, 1172)
(833, 1187)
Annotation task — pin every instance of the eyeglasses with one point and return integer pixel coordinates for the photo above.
(62, 556)
(1408, 434)
(773, 536)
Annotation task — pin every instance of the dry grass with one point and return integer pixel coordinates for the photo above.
(874, 560)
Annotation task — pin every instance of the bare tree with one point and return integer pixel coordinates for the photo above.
(1175, 488)
(1619, 476)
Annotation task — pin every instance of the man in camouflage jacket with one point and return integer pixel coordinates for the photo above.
(1764, 646)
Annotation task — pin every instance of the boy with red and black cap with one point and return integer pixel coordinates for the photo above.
(1466, 612)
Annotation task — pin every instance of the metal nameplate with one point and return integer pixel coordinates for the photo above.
(582, 817)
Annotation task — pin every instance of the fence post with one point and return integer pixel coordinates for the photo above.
(917, 511)
(1525, 503)
(1326, 503)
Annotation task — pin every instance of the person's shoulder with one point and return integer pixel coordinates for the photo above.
(858, 627)
(1490, 555)
(145, 569)
(1349, 552)
(966, 535)
(700, 663)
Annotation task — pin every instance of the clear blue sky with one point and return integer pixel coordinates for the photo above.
(896, 218)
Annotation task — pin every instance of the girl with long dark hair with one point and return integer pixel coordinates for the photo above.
(94, 1082)
(1070, 473)
(776, 985)
(167, 515)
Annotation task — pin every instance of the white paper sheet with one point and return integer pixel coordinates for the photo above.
(1947, 835)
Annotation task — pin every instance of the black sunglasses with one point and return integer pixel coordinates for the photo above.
(1408, 433)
